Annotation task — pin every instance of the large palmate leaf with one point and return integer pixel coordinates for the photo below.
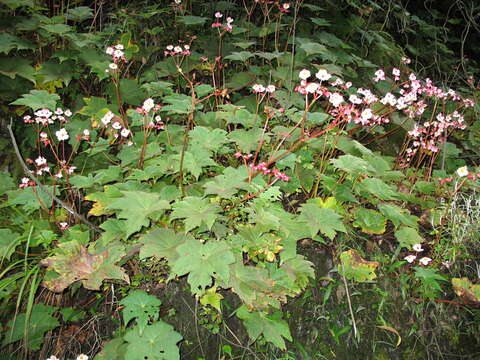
(74, 262)
(202, 262)
(194, 160)
(156, 342)
(353, 266)
(31, 198)
(325, 220)
(397, 215)
(38, 99)
(41, 320)
(227, 184)
(273, 328)
(196, 211)
(13, 66)
(353, 165)
(141, 306)
(137, 208)
(207, 139)
(163, 243)
(53, 70)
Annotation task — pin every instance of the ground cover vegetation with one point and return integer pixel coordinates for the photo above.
(239, 180)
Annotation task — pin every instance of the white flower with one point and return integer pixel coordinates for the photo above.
(417, 247)
(187, 47)
(109, 50)
(107, 117)
(59, 111)
(67, 113)
(304, 74)
(53, 357)
(82, 357)
(148, 104)
(354, 99)
(311, 88)
(229, 20)
(43, 135)
(118, 53)
(286, 6)
(119, 47)
(425, 261)
(158, 118)
(169, 47)
(71, 169)
(258, 88)
(40, 161)
(25, 180)
(116, 125)
(323, 75)
(113, 66)
(463, 171)
(177, 49)
(178, 2)
(59, 175)
(335, 99)
(86, 132)
(410, 258)
(62, 134)
(218, 14)
(125, 132)
(366, 114)
(270, 89)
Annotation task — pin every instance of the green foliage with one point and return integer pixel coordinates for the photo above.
(196, 211)
(140, 306)
(354, 267)
(38, 99)
(321, 219)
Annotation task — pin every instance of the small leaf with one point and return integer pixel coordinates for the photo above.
(192, 20)
(212, 298)
(353, 165)
(353, 266)
(141, 306)
(370, 221)
(242, 56)
(273, 328)
(378, 188)
(407, 237)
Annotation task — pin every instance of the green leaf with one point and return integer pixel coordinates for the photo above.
(227, 184)
(192, 20)
(202, 262)
(31, 198)
(353, 165)
(13, 66)
(273, 328)
(57, 29)
(80, 13)
(70, 314)
(210, 140)
(247, 140)
(53, 70)
(137, 207)
(40, 322)
(163, 243)
(156, 342)
(378, 188)
(8, 243)
(196, 211)
(327, 221)
(178, 104)
(371, 221)
(242, 56)
(212, 298)
(353, 266)
(74, 262)
(141, 306)
(398, 215)
(113, 350)
(407, 237)
(38, 99)
(429, 281)
(312, 48)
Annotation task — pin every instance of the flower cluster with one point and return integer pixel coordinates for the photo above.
(117, 54)
(46, 117)
(117, 124)
(172, 50)
(418, 249)
(227, 26)
(79, 357)
(25, 182)
(260, 89)
(261, 166)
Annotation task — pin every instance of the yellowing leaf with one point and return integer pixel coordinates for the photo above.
(353, 266)
(467, 291)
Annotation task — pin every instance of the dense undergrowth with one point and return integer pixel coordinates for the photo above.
(239, 180)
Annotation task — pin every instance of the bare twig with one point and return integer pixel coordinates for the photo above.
(78, 216)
